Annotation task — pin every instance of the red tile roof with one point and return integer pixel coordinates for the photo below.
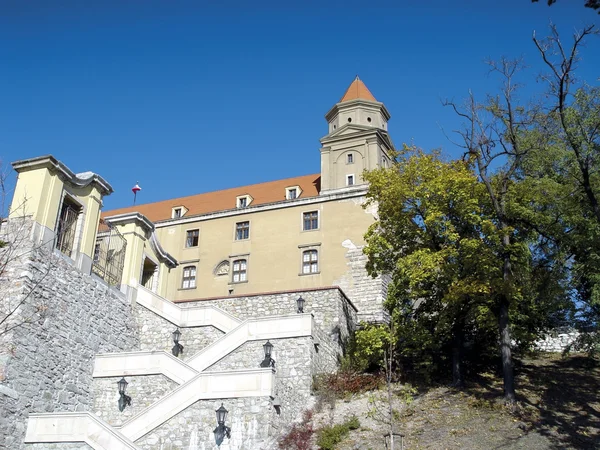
(210, 202)
(357, 90)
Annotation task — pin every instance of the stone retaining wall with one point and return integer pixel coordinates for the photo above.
(557, 340)
(67, 317)
(332, 311)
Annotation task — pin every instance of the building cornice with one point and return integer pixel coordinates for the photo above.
(327, 196)
(79, 180)
(149, 227)
(358, 102)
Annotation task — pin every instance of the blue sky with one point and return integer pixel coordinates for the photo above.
(187, 98)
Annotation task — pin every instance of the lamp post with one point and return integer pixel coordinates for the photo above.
(268, 361)
(222, 430)
(177, 348)
(300, 304)
(124, 399)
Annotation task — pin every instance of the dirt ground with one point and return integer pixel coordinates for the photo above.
(558, 408)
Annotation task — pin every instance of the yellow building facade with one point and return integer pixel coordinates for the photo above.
(286, 235)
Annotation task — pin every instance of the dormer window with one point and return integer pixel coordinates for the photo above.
(243, 201)
(178, 211)
(292, 192)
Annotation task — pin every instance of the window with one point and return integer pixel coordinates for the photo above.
(67, 224)
(311, 220)
(242, 230)
(242, 202)
(292, 192)
(350, 158)
(349, 180)
(239, 271)
(192, 238)
(310, 261)
(189, 277)
(178, 211)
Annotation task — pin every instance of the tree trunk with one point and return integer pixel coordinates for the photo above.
(457, 343)
(503, 322)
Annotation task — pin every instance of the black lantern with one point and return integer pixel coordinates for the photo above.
(177, 348)
(300, 303)
(124, 399)
(268, 361)
(222, 430)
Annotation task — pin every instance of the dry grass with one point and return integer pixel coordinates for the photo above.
(558, 408)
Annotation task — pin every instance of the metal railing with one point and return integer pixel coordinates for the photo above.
(109, 254)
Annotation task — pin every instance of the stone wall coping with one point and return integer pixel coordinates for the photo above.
(204, 386)
(154, 362)
(201, 315)
(257, 294)
(75, 427)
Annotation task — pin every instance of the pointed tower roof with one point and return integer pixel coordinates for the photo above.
(357, 90)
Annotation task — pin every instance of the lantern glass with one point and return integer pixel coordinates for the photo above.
(221, 414)
(122, 385)
(176, 335)
(268, 349)
(300, 303)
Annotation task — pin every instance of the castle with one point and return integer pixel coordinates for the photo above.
(234, 298)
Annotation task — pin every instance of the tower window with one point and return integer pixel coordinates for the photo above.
(349, 180)
(242, 230)
(239, 270)
(369, 119)
(192, 238)
(349, 119)
(350, 158)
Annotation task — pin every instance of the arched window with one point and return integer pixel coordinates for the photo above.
(310, 261)
(189, 277)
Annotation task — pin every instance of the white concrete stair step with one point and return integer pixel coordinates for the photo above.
(194, 316)
(142, 363)
(76, 427)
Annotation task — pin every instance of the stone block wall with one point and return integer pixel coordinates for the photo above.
(558, 340)
(367, 293)
(156, 333)
(144, 391)
(65, 318)
(333, 312)
(250, 421)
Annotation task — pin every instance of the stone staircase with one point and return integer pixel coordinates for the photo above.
(194, 382)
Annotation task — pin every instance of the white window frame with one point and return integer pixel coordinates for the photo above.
(191, 279)
(291, 188)
(182, 210)
(243, 273)
(240, 198)
(310, 266)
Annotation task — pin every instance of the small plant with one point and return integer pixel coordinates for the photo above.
(328, 437)
(300, 435)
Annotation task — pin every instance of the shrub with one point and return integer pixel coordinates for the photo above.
(300, 435)
(340, 384)
(328, 437)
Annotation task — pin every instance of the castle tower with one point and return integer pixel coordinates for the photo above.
(357, 139)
